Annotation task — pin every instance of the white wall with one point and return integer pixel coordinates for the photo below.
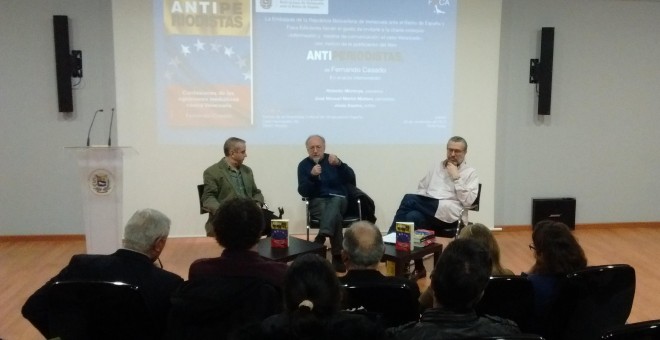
(39, 190)
(600, 143)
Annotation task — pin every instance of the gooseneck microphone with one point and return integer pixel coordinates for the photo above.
(90, 125)
(112, 116)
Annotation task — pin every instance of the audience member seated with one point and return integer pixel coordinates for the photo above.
(363, 249)
(229, 178)
(236, 289)
(448, 187)
(323, 179)
(312, 297)
(557, 253)
(481, 233)
(145, 236)
(458, 282)
(238, 225)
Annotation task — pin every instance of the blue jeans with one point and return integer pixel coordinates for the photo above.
(421, 210)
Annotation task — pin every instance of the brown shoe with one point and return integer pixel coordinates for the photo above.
(417, 274)
(338, 264)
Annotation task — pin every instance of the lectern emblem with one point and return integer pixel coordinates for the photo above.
(101, 182)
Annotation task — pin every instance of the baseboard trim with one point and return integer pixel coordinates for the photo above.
(505, 228)
(66, 237)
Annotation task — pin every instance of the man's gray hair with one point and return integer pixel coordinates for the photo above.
(312, 136)
(368, 252)
(458, 139)
(144, 228)
(231, 143)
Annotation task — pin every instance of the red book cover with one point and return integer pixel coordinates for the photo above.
(280, 235)
(404, 236)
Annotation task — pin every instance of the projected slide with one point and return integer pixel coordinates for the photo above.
(276, 71)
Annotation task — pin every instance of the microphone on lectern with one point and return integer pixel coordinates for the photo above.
(90, 125)
(112, 116)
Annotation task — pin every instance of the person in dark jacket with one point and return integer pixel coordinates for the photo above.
(145, 235)
(323, 179)
(237, 288)
(458, 282)
(312, 307)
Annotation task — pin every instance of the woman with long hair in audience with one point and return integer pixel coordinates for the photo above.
(556, 253)
(481, 233)
(312, 296)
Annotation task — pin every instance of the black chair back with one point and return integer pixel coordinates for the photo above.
(392, 304)
(213, 308)
(509, 297)
(591, 300)
(645, 330)
(200, 192)
(512, 337)
(99, 310)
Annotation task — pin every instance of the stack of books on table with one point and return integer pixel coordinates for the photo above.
(423, 237)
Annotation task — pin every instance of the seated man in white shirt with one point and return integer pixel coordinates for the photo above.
(441, 195)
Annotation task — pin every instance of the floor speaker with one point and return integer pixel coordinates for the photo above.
(556, 209)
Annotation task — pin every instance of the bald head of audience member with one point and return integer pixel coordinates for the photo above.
(363, 246)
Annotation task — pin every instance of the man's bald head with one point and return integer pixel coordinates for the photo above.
(363, 245)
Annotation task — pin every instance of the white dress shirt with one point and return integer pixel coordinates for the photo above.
(452, 195)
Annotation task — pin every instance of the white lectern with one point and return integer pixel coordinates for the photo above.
(101, 182)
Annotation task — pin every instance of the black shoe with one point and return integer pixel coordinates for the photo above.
(338, 264)
(320, 239)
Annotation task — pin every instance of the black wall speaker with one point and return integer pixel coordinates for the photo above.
(557, 209)
(63, 63)
(540, 71)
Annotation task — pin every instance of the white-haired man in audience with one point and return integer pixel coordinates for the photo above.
(145, 236)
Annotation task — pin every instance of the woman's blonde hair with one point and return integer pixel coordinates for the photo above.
(481, 233)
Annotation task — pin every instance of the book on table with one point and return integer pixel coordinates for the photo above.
(280, 233)
(423, 237)
(404, 235)
(422, 244)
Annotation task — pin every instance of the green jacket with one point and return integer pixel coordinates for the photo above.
(218, 188)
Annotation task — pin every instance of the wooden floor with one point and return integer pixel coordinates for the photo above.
(26, 264)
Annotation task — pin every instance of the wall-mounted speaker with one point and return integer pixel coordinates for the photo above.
(540, 71)
(63, 63)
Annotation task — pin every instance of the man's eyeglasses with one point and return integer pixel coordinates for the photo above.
(531, 247)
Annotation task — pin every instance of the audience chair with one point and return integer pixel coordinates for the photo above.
(645, 330)
(509, 297)
(99, 310)
(591, 300)
(392, 304)
(353, 214)
(213, 308)
(512, 337)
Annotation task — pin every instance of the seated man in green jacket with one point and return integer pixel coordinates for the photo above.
(229, 178)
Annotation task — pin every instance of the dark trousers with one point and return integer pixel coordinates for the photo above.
(330, 211)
